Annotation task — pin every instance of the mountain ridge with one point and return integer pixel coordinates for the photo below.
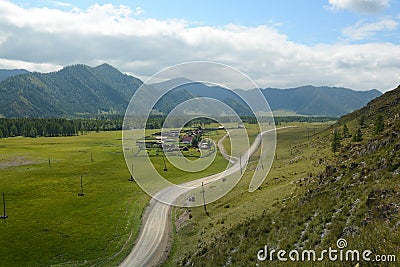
(6, 73)
(81, 90)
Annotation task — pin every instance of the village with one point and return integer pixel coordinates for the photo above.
(189, 141)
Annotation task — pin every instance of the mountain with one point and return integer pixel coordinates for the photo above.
(311, 101)
(184, 89)
(4, 74)
(305, 100)
(73, 91)
(82, 90)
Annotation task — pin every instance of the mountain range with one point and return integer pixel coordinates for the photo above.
(80, 90)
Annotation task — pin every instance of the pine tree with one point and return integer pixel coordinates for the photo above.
(345, 131)
(33, 132)
(335, 141)
(362, 121)
(13, 131)
(379, 124)
(357, 137)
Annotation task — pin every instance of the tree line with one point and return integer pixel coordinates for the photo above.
(48, 127)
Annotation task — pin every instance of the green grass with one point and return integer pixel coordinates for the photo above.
(300, 206)
(48, 223)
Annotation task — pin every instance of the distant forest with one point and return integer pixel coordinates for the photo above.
(50, 127)
(33, 127)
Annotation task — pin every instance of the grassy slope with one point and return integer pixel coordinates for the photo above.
(307, 206)
(198, 239)
(48, 223)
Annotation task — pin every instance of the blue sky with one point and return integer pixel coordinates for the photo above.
(304, 21)
(355, 41)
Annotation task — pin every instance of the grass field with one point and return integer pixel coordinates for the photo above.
(49, 224)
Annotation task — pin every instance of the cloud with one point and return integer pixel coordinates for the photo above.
(138, 11)
(61, 4)
(362, 6)
(44, 39)
(362, 30)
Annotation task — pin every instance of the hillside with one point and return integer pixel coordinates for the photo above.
(311, 198)
(72, 91)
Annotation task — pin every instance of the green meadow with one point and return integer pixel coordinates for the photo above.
(49, 224)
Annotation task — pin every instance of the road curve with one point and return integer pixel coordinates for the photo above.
(152, 243)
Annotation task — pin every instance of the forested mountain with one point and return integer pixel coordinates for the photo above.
(4, 74)
(305, 100)
(310, 100)
(195, 89)
(80, 90)
(72, 91)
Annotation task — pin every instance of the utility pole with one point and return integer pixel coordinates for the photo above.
(165, 165)
(131, 179)
(81, 194)
(240, 163)
(4, 209)
(204, 199)
(49, 162)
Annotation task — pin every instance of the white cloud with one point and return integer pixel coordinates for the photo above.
(138, 11)
(362, 6)
(62, 4)
(362, 30)
(44, 39)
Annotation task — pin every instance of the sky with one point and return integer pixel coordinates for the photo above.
(277, 43)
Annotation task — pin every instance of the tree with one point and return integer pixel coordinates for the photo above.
(379, 124)
(33, 132)
(362, 120)
(13, 131)
(195, 142)
(335, 141)
(357, 137)
(345, 131)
